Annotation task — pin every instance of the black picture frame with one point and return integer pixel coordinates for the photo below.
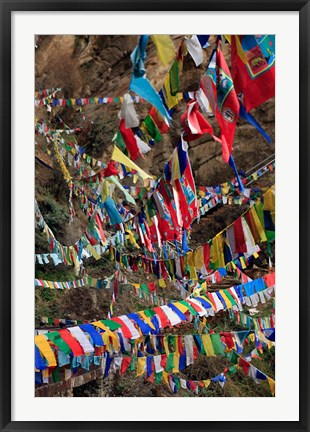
(7, 7)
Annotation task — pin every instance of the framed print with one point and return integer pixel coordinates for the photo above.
(146, 167)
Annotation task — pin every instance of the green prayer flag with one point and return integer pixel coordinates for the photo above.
(232, 300)
(149, 313)
(271, 235)
(132, 365)
(142, 193)
(259, 207)
(217, 344)
(190, 307)
(232, 357)
(177, 382)
(158, 377)
(151, 208)
(232, 370)
(120, 142)
(144, 287)
(111, 324)
(58, 341)
(170, 362)
(174, 78)
(172, 341)
(152, 129)
(55, 374)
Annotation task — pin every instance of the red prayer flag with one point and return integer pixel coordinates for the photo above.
(130, 140)
(219, 89)
(240, 244)
(158, 120)
(75, 346)
(253, 68)
(125, 364)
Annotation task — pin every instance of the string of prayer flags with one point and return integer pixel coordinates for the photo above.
(223, 246)
(83, 101)
(78, 283)
(156, 354)
(43, 258)
(150, 321)
(47, 92)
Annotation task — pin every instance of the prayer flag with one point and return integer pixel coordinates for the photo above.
(219, 89)
(253, 68)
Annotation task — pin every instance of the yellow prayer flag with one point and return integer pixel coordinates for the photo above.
(198, 258)
(269, 202)
(45, 349)
(132, 239)
(93, 251)
(166, 346)
(181, 307)
(141, 365)
(176, 360)
(100, 325)
(225, 190)
(252, 337)
(147, 319)
(217, 251)
(243, 266)
(272, 385)
(165, 48)
(165, 377)
(46, 373)
(171, 101)
(115, 340)
(119, 156)
(162, 283)
(106, 340)
(207, 344)
(192, 273)
(206, 383)
(105, 190)
(226, 299)
(207, 300)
